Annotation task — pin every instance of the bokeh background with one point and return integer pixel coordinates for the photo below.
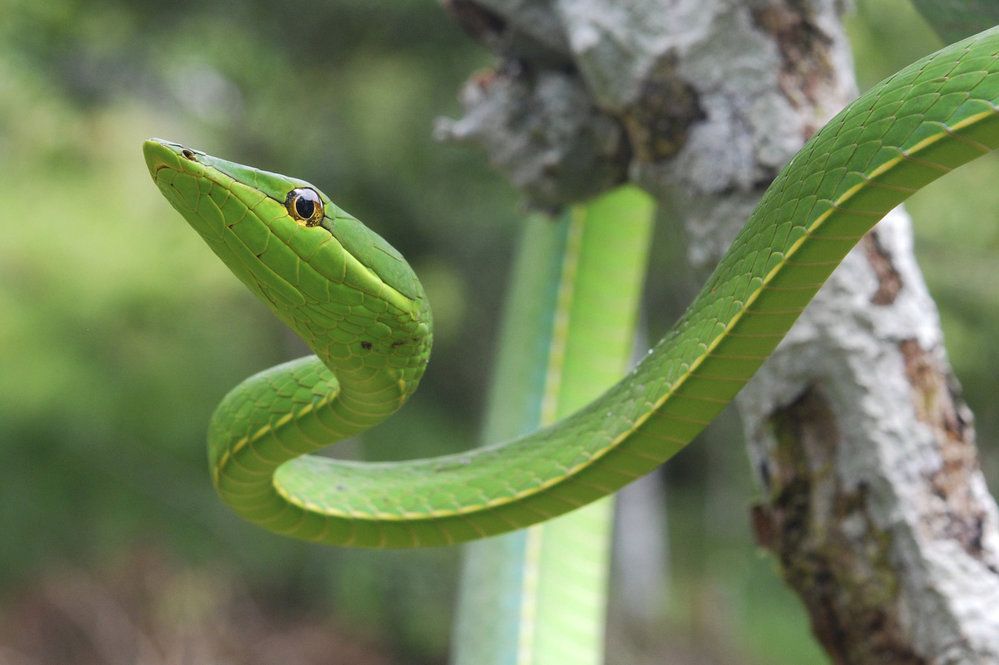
(120, 331)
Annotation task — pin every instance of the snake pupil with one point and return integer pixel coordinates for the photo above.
(304, 207)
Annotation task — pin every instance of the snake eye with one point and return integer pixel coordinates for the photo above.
(304, 205)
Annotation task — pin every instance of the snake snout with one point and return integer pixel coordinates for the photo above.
(160, 154)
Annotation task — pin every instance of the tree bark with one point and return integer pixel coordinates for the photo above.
(872, 498)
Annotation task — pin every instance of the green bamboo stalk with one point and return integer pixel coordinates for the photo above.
(538, 596)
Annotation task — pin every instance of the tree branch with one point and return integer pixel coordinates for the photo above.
(873, 500)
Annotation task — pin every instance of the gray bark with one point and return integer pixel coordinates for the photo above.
(872, 498)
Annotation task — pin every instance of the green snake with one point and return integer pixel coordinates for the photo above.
(361, 309)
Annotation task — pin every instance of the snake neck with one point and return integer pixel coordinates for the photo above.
(376, 357)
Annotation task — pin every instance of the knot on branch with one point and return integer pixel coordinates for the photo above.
(579, 97)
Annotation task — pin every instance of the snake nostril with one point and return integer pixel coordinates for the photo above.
(188, 154)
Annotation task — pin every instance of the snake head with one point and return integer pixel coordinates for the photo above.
(333, 280)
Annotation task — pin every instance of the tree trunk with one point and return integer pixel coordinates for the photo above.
(873, 500)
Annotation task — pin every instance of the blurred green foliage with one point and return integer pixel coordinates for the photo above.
(121, 331)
